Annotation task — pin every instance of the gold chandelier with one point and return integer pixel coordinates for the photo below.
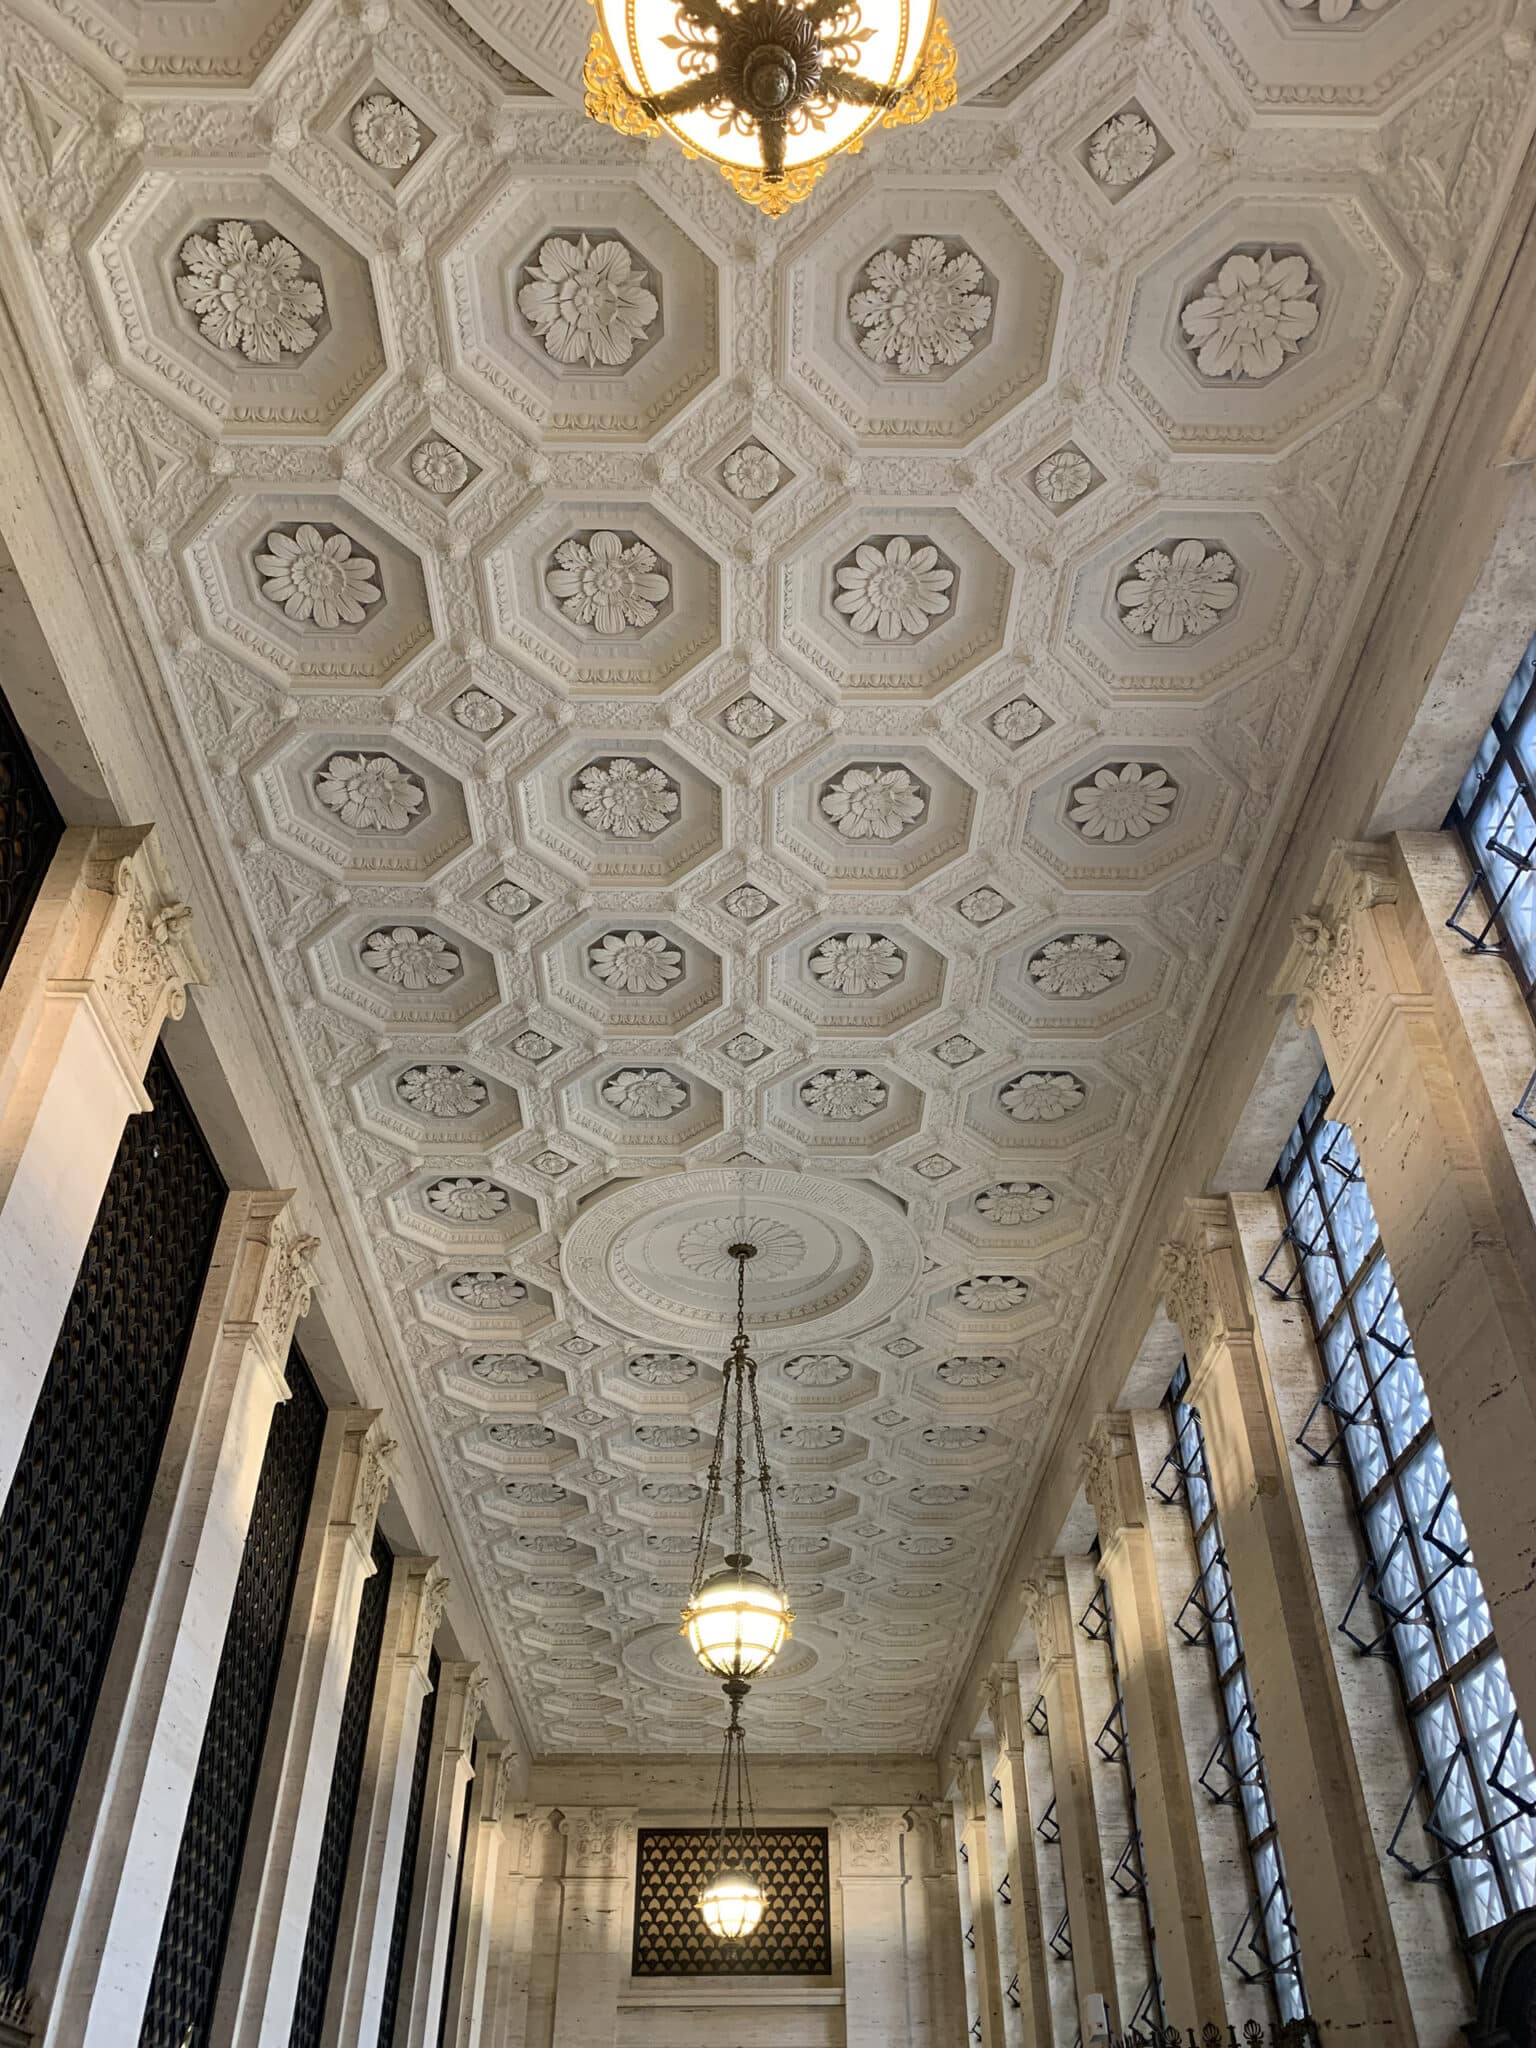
(768, 90)
(736, 1619)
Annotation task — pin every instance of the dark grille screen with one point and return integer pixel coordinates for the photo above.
(341, 1808)
(791, 1940)
(196, 1926)
(30, 829)
(408, 1859)
(71, 1523)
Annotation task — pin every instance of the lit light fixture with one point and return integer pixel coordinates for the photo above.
(737, 1620)
(731, 1902)
(768, 90)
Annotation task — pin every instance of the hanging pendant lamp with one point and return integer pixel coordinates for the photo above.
(731, 1901)
(768, 90)
(737, 1619)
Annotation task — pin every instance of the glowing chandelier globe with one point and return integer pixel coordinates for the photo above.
(768, 90)
(731, 1904)
(737, 1621)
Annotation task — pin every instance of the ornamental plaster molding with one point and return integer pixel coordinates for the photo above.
(134, 952)
(1345, 960)
(1043, 1596)
(1114, 1493)
(429, 1615)
(869, 1840)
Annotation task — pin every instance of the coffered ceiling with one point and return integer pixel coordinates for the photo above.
(721, 724)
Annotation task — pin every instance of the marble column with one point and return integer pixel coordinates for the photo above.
(1417, 1044)
(460, 1695)
(594, 1925)
(871, 1881)
(1029, 1933)
(1348, 1955)
(114, 1876)
(934, 1947)
(265, 1953)
(354, 2003)
(528, 1966)
(1177, 1899)
(1093, 1968)
(485, 1850)
(983, 1895)
(105, 958)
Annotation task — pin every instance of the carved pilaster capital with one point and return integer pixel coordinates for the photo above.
(1044, 1597)
(497, 1768)
(595, 1837)
(429, 1613)
(287, 1285)
(375, 1471)
(141, 959)
(476, 1686)
(1112, 1478)
(930, 1839)
(1347, 955)
(869, 1840)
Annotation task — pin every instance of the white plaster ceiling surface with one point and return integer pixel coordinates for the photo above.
(717, 721)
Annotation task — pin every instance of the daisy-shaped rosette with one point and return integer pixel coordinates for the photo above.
(447, 1105)
(361, 806)
(1183, 603)
(1077, 981)
(477, 1214)
(632, 975)
(401, 973)
(650, 1109)
(318, 591)
(1033, 1113)
(235, 304)
(582, 307)
(990, 1302)
(837, 979)
(606, 596)
(1266, 321)
(1020, 1210)
(873, 817)
(927, 336)
(895, 600)
(1129, 816)
(483, 1299)
(843, 1107)
(619, 812)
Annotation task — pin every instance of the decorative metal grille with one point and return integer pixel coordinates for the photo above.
(30, 829)
(71, 1524)
(196, 1925)
(1265, 1948)
(458, 1893)
(341, 1807)
(1476, 1786)
(793, 1938)
(1495, 813)
(403, 1890)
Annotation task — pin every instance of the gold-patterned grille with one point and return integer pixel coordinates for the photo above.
(793, 1938)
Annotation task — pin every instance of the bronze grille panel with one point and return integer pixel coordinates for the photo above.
(195, 1930)
(793, 1939)
(71, 1523)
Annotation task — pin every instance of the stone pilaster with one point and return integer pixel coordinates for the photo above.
(1177, 1898)
(1348, 1955)
(1093, 1968)
(460, 1696)
(1417, 1046)
(527, 1964)
(1029, 1932)
(872, 1883)
(935, 1951)
(262, 1962)
(354, 2004)
(105, 958)
(114, 1877)
(1008, 1967)
(983, 1895)
(485, 1849)
(594, 1925)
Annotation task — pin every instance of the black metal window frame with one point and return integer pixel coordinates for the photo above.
(1265, 1949)
(1495, 816)
(30, 830)
(1475, 1786)
(1113, 1744)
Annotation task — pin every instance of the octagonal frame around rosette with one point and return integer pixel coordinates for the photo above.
(218, 552)
(504, 1327)
(1067, 1222)
(1105, 1107)
(551, 821)
(812, 633)
(1138, 988)
(949, 405)
(584, 1109)
(814, 841)
(978, 1331)
(1286, 61)
(381, 1110)
(527, 621)
(530, 1397)
(1273, 576)
(1193, 831)
(334, 954)
(131, 254)
(284, 782)
(899, 1116)
(412, 1215)
(791, 984)
(565, 969)
(484, 266)
(1363, 281)
(514, 1462)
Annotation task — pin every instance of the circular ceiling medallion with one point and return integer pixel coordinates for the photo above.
(653, 1258)
(662, 1655)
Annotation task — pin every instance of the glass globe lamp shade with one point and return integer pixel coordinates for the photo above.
(731, 1904)
(784, 104)
(737, 1623)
